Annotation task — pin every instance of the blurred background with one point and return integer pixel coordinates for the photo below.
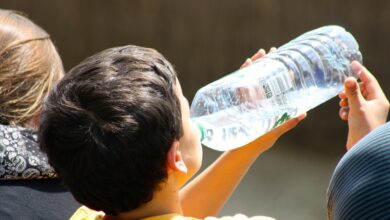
(206, 40)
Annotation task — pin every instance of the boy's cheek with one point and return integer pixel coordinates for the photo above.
(194, 147)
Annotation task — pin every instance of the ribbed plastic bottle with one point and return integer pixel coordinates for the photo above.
(297, 77)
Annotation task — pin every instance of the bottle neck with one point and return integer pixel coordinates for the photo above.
(201, 130)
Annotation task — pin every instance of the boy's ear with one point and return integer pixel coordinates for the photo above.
(174, 158)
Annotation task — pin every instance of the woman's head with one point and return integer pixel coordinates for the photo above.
(29, 66)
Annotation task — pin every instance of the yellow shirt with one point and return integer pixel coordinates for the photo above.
(84, 213)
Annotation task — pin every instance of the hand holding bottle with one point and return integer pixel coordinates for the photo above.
(248, 103)
(267, 140)
(363, 105)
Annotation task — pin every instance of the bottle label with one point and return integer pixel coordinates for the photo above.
(285, 117)
(277, 85)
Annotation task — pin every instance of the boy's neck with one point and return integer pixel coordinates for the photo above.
(165, 201)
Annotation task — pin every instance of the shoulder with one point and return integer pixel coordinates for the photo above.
(361, 179)
(20, 156)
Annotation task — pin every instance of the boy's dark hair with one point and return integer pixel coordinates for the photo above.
(108, 125)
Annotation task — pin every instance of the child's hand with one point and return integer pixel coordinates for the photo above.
(256, 56)
(235, 164)
(267, 140)
(363, 105)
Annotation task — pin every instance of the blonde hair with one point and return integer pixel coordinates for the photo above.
(29, 67)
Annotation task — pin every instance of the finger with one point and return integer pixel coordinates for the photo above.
(372, 86)
(343, 103)
(288, 125)
(258, 55)
(362, 86)
(352, 90)
(272, 49)
(343, 113)
(343, 95)
(363, 90)
(247, 62)
(362, 72)
(365, 94)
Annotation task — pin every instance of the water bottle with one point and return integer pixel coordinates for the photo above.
(299, 76)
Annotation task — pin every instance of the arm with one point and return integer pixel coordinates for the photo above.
(222, 177)
(363, 105)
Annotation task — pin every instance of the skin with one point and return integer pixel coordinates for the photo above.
(233, 164)
(184, 160)
(363, 105)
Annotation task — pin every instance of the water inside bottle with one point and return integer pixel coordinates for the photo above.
(232, 127)
(299, 76)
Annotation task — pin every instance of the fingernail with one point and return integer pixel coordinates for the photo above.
(350, 84)
(356, 68)
(302, 116)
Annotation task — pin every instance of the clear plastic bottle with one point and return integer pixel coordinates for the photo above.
(299, 76)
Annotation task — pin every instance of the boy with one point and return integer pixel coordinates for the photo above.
(117, 130)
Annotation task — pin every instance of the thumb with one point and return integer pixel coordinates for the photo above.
(287, 125)
(352, 90)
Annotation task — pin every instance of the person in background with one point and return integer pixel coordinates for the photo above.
(360, 184)
(29, 67)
